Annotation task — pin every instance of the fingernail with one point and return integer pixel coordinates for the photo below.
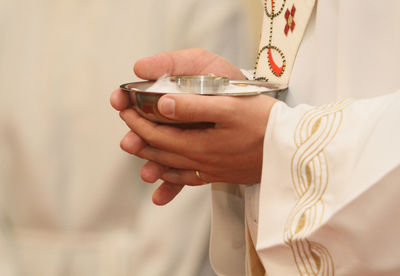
(167, 106)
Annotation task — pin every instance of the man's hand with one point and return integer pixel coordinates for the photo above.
(185, 62)
(231, 151)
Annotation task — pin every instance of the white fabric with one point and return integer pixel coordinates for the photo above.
(359, 227)
(350, 49)
(71, 202)
(248, 73)
(227, 244)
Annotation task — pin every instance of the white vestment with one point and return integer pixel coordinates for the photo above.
(328, 200)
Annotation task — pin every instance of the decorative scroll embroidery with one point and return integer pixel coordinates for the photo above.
(284, 25)
(275, 69)
(289, 16)
(310, 176)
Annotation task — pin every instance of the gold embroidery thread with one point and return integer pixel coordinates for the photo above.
(310, 177)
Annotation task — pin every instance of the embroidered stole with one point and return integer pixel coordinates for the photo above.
(283, 28)
(284, 24)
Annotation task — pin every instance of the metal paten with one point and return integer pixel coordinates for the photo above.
(201, 84)
(145, 102)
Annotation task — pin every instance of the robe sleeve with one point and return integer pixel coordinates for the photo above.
(328, 202)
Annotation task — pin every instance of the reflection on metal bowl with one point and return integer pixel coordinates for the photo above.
(145, 102)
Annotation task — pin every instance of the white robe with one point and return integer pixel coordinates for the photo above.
(328, 200)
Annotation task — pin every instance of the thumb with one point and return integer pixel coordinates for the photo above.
(197, 108)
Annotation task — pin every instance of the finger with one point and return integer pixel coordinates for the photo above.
(133, 144)
(187, 177)
(166, 192)
(185, 62)
(167, 159)
(168, 138)
(197, 108)
(119, 100)
(173, 63)
(152, 171)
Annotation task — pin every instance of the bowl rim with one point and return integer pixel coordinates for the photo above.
(270, 88)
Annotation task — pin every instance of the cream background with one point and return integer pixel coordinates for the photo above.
(71, 202)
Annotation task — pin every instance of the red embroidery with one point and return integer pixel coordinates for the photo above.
(272, 51)
(289, 16)
(275, 68)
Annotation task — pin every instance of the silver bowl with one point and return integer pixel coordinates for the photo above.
(145, 102)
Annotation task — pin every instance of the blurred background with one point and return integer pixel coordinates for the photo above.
(71, 201)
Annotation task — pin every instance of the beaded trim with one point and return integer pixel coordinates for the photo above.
(277, 71)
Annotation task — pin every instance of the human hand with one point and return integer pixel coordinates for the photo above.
(186, 62)
(178, 63)
(231, 151)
